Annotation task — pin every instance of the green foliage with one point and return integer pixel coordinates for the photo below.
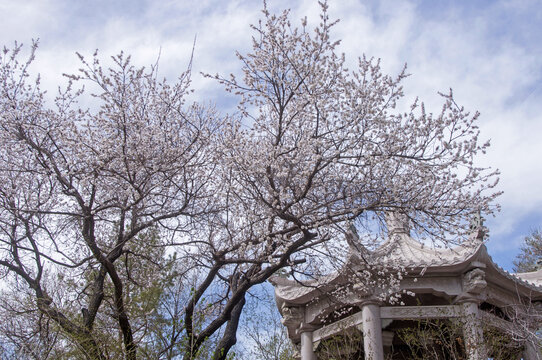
(346, 346)
(500, 345)
(433, 339)
(423, 340)
(443, 339)
(152, 294)
(531, 253)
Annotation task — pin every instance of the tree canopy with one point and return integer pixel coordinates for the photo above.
(135, 229)
(530, 255)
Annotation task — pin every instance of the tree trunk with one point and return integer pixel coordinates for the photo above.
(229, 338)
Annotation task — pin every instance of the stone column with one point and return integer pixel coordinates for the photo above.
(473, 331)
(307, 351)
(372, 331)
(474, 285)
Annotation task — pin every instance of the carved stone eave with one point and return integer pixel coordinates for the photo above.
(525, 285)
(401, 249)
(444, 286)
(447, 263)
(534, 277)
(295, 292)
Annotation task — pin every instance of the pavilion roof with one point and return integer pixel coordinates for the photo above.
(402, 250)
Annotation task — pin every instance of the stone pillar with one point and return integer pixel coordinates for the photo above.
(474, 286)
(372, 331)
(307, 351)
(473, 331)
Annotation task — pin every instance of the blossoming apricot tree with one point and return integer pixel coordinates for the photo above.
(89, 195)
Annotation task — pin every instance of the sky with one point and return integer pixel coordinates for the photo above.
(489, 52)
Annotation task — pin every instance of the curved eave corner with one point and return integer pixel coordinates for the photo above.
(527, 284)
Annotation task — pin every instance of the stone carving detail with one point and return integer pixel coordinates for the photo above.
(419, 312)
(474, 281)
(476, 222)
(352, 239)
(397, 222)
(291, 315)
(477, 226)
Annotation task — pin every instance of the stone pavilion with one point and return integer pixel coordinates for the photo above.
(450, 283)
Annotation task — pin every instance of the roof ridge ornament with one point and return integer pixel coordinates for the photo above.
(477, 228)
(397, 222)
(353, 241)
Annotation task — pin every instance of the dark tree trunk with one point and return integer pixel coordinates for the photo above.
(230, 334)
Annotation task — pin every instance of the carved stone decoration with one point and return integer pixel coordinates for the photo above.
(474, 281)
(397, 223)
(355, 248)
(476, 222)
(419, 312)
(477, 227)
(291, 315)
